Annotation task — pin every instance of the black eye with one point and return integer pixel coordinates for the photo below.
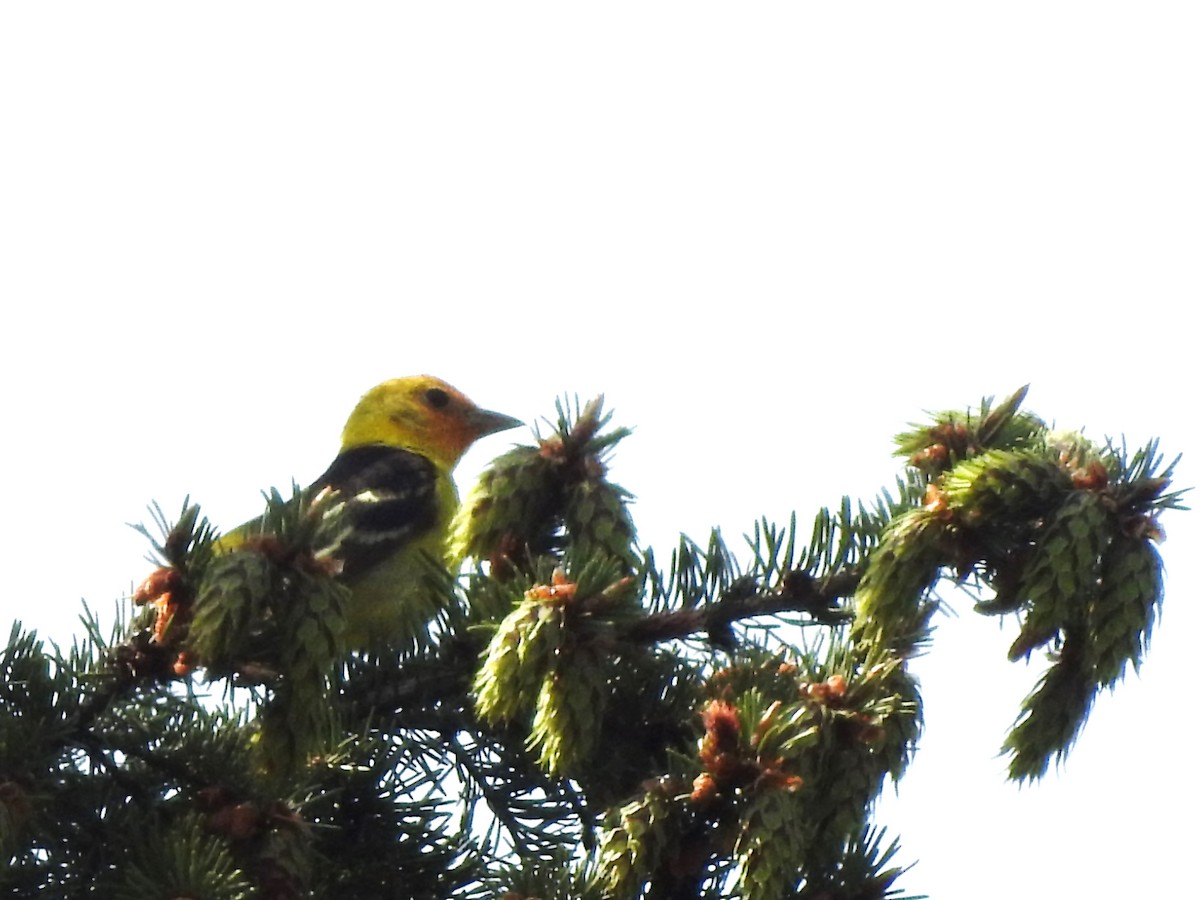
(437, 398)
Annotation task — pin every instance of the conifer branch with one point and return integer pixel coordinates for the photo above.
(554, 695)
(799, 593)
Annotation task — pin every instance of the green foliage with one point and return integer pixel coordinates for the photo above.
(534, 502)
(1063, 576)
(1004, 486)
(1122, 613)
(184, 859)
(1052, 715)
(552, 663)
(556, 878)
(955, 436)
(568, 720)
(862, 873)
(892, 603)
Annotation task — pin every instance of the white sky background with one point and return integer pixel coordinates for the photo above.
(772, 235)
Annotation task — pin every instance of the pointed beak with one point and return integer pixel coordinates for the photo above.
(484, 422)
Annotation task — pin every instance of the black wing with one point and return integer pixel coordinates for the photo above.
(383, 497)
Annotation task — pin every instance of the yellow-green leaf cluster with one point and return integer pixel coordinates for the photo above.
(598, 522)
(230, 613)
(297, 719)
(509, 513)
(1052, 715)
(277, 618)
(643, 833)
(891, 607)
(542, 662)
(1063, 576)
(1098, 630)
(792, 757)
(568, 714)
(955, 436)
(774, 827)
(518, 656)
(545, 500)
(1123, 611)
(1004, 486)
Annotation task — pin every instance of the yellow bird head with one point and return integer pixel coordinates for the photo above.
(422, 414)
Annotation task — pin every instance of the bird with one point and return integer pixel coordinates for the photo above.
(394, 496)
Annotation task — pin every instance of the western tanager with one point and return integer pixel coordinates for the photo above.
(394, 496)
